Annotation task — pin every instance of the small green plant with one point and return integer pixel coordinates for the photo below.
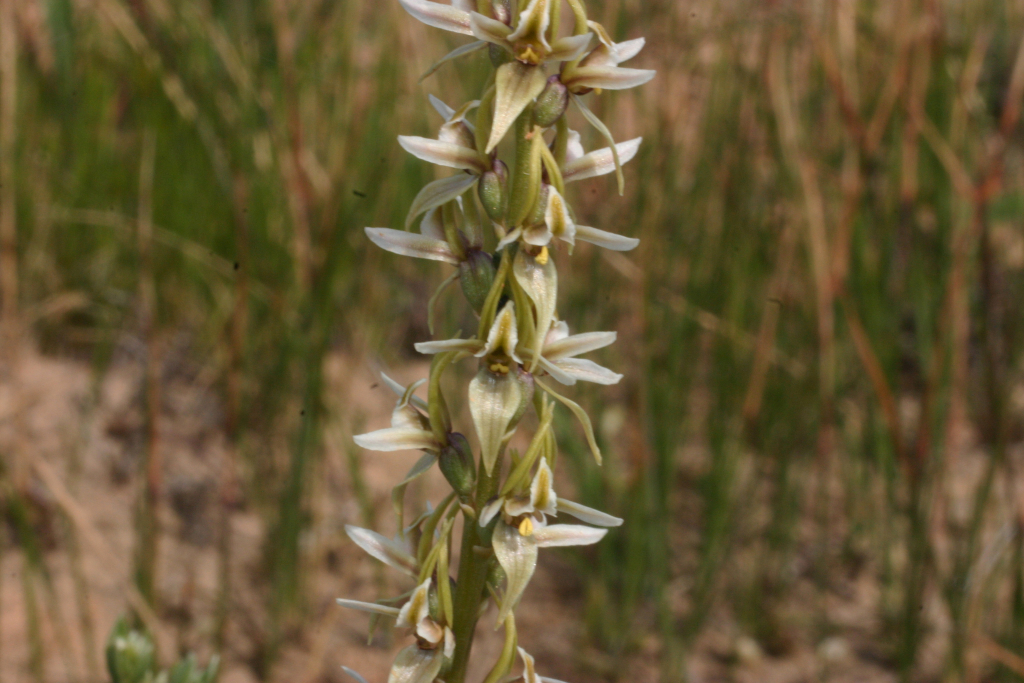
(498, 221)
(131, 658)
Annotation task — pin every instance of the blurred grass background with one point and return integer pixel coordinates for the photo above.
(821, 330)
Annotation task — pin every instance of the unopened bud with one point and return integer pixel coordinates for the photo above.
(456, 463)
(476, 275)
(130, 657)
(494, 191)
(551, 103)
(502, 11)
(525, 380)
(498, 55)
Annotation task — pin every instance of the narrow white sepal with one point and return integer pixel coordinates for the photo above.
(354, 674)
(560, 375)
(578, 344)
(400, 390)
(432, 347)
(599, 162)
(609, 77)
(410, 244)
(588, 515)
(369, 607)
(607, 240)
(569, 48)
(559, 535)
(443, 153)
(439, 15)
(585, 370)
(384, 549)
(440, 192)
(397, 439)
(490, 30)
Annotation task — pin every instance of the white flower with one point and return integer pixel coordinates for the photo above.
(600, 68)
(409, 430)
(523, 529)
(418, 663)
(558, 356)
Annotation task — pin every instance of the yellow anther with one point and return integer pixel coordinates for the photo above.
(526, 527)
(529, 56)
(542, 257)
(498, 368)
(598, 91)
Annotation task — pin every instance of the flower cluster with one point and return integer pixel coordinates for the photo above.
(498, 220)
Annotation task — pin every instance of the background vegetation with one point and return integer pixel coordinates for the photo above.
(818, 443)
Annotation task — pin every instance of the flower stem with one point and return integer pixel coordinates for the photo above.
(472, 578)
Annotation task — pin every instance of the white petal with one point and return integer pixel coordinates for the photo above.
(529, 668)
(587, 371)
(509, 238)
(490, 30)
(577, 344)
(599, 162)
(438, 15)
(405, 416)
(559, 331)
(503, 334)
(490, 510)
(443, 153)
(413, 665)
(542, 490)
(400, 390)
(558, 535)
(533, 24)
(418, 607)
(537, 235)
(556, 372)
(608, 240)
(493, 401)
(628, 49)
(431, 225)
(608, 77)
(410, 244)
(517, 555)
(517, 85)
(369, 607)
(439, 192)
(384, 549)
(588, 515)
(432, 347)
(397, 439)
(465, 5)
(569, 48)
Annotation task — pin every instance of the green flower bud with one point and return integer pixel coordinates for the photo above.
(493, 191)
(456, 463)
(502, 11)
(476, 275)
(551, 103)
(498, 55)
(525, 380)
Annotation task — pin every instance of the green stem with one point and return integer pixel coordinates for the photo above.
(472, 578)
